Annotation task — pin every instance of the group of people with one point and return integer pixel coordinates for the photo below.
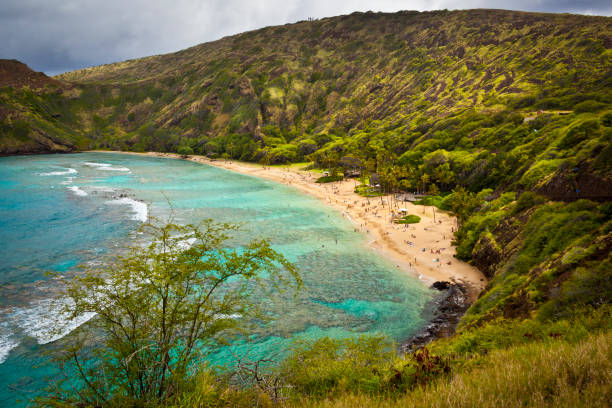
(373, 209)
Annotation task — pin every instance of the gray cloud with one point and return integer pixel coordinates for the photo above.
(55, 36)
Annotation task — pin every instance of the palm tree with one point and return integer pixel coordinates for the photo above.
(424, 180)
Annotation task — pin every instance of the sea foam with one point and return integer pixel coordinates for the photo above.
(76, 190)
(47, 321)
(68, 181)
(93, 164)
(140, 209)
(6, 345)
(185, 244)
(105, 166)
(59, 173)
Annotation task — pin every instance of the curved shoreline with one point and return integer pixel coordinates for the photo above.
(423, 250)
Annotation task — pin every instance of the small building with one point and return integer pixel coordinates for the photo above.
(410, 197)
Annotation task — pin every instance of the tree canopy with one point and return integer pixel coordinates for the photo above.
(159, 309)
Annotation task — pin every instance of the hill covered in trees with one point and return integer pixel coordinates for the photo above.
(503, 117)
(463, 92)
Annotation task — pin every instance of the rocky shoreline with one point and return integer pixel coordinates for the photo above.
(448, 307)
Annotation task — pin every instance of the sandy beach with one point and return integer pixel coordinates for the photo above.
(423, 249)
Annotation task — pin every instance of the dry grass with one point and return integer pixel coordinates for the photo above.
(542, 375)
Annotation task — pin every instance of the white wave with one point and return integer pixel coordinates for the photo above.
(93, 164)
(105, 166)
(140, 209)
(46, 321)
(226, 316)
(185, 244)
(76, 190)
(59, 173)
(6, 345)
(68, 181)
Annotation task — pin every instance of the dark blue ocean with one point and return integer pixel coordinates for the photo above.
(61, 211)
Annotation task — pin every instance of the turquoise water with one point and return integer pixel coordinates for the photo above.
(59, 211)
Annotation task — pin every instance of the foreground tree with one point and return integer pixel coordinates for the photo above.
(158, 310)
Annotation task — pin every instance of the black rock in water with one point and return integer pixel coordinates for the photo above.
(448, 307)
(441, 285)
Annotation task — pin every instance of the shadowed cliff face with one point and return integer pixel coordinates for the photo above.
(16, 74)
(578, 182)
(30, 120)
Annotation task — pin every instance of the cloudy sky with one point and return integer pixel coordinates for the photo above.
(55, 36)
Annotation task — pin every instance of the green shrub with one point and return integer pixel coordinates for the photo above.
(588, 286)
(539, 171)
(365, 190)
(589, 106)
(582, 131)
(329, 179)
(549, 374)
(433, 200)
(408, 219)
(469, 233)
(21, 130)
(285, 153)
(527, 200)
(328, 366)
(184, 150)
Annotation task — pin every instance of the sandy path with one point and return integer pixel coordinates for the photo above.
(422, 249)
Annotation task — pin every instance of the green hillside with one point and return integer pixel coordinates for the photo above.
(356, 81)
(36, 112)
(485, 103)
(504, 118)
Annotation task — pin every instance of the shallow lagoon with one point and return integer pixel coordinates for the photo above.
(58, 211)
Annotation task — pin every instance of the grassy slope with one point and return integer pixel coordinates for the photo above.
(511, 364)
(543, 375)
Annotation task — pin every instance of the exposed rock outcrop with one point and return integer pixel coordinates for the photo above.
(448, 308)
(577, 183)
(486, 255)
